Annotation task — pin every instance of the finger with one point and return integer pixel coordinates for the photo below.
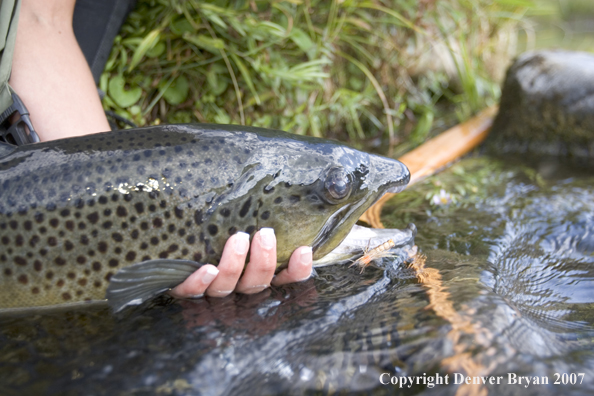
(299, 269)
(230, 266)
(260, 269)
(195, 285)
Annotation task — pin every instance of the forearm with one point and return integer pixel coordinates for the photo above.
(51, 75)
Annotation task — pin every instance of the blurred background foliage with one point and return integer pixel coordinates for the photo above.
(375, 73)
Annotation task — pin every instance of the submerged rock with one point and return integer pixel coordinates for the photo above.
(547, 105)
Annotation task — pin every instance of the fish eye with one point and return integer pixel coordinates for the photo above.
(337, 185)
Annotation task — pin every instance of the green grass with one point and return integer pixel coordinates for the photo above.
(370, 72)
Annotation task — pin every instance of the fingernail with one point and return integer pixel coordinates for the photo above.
(242, 242)
(306, 255)
(211, 273)
(267, 237)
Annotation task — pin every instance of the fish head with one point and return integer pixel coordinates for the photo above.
(319, 190)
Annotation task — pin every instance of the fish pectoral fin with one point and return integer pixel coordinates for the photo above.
(140, 282)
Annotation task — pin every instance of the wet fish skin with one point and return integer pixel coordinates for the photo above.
(74, 212)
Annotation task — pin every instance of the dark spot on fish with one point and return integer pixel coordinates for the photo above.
(102, 247)
(130, 256)
(144, 226)
(35, 290)
(213, 229)
(225, 212)
(245, 208)
(97, 284)
(179, 213)
(49, 275)
(37, 265)
(154, 241)
(198, 217)
(157, 222)
(43, 251)
(255, 213)
(54, 222)
(197, 256)
(7, 271)
(60, 261)
(164, 237)
(124, 225)
(108, 276)
(134, 234)
(5, 240)
(107, 212)
(69, 225)
(66, 296)
(65, 212)
(163, 255)
(84, 239)
(232, 230)
(191, 239)
(113, 263)
(117, 237)
(68, 246)
(96, 266)
(60, 283)
(294, 199)
(117, 250)
(91, 253)
(82, 226)
(171, 228)
(127, 197)
(93, 217)
(102, 200)
(115, 197)
(52, 241)
(181, 232)
(28, 225)
(50, 207)
(19, 240)
(278, 200)
(20, 260)
(251, 229)
(23, 279)
(107, 225)
(288, 185)
(139, 206)
(71, 275)
(121, 211)
(144, 245)
(152, 208)
(81, 259)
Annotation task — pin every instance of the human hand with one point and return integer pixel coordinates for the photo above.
(259, 273)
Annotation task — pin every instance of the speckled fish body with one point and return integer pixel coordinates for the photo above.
(75, 213)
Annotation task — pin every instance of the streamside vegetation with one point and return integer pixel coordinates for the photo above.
(371, 72)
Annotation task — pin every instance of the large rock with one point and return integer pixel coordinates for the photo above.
(547, 105)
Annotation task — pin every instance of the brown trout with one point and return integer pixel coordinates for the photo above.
(130, 214)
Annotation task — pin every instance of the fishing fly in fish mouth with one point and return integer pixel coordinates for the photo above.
(130, 214)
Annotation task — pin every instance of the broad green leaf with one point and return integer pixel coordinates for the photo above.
(177, 92)
(157, 50)
(181, 26)
(301, 39)
(147, 43)
(121, 96)
(217, 84)
(211, 45)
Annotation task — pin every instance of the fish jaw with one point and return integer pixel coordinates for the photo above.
(385, 175)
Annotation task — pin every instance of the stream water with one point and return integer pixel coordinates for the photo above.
(503, 288)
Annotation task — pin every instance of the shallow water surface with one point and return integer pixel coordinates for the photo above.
(503, 286)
